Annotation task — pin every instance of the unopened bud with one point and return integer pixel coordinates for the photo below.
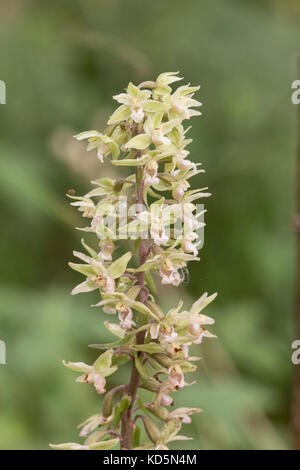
(107, 404)
(151, 429)
(151, 384)
(162, 359)
(159, 411)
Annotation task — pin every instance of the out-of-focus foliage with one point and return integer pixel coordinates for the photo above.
(62, 61)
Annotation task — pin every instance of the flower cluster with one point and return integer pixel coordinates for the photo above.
(144, 134)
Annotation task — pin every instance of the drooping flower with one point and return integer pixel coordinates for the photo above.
(137, 102)
(104, 144)
(181, 102)
(184, 414)
(151, 178)
(179, 190)
(98, 276)
(96, 373)
(176, 377)
(125, 314)
(107, 248)
(169, 274)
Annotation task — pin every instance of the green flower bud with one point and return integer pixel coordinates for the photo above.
(151, 429)
(163, 360)
(159, 411)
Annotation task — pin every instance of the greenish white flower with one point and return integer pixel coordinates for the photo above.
(96, 373)
(104, 144)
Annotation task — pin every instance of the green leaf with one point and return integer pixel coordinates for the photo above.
(154, 308)
(133, 90)
(115, 344)
(114, 328)
(83, 269)
(134, 292)
(201, 303)
(142, 370)
(86, 286)
(78, 367)
(118, 268)
(143, 309)
(68, 446)
(103, 361)
(139, 142)
(87, 135)
(104, 445)
(149, 348)
(91, 252)
(151, 106)
(132, 161)
(121, 114)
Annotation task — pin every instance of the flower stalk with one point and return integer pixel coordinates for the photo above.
(154, 209)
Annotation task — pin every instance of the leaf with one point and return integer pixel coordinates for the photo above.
(83, 269)
(169, 125)
(105, 183)
(132, 161)
(103, 361)
(86, 286)
(149, 348)
(69, 446)
(115, 344)
(121, 114)
(154, 308)
(133, 292)
(114, 329)
(104, 445)
(78, 367)
(167, 78)
(201, 303)
(118, 268)
(133, 90)
(91, 252)
(151, 106)
(87, 135)
(143, 309)
(142, 370)
(139, 142)
(114, 149)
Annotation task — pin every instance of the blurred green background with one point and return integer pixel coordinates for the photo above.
(62, 61)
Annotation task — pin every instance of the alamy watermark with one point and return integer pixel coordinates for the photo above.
(296, 354)
(2, 92)
(2, 352)
(161, 222)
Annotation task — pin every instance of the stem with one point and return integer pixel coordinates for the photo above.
(132, 387)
